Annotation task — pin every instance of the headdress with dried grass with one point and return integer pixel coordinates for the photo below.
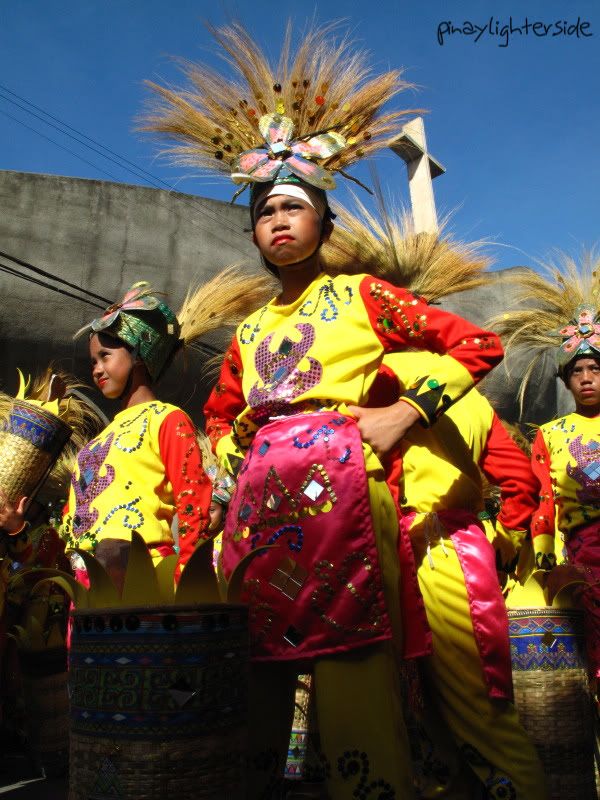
(155, 332)
(66, 422)
(558, 311)
(316, 113)
(430, 265)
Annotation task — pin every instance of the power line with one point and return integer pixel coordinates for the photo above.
(16, 274)
(45, 274)
(120, 161)
(62, 147)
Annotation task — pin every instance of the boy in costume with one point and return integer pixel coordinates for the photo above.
(439, 489)
(288, 412)
(566, 451)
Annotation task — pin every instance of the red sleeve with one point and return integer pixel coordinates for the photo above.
(192, 488)
(505, 465)
(226, 400)
(543, 520)
(402, 321)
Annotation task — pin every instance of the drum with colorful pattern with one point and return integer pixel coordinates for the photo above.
(553, 697)
(159, 702)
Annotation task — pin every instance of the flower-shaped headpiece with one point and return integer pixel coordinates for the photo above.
(144, 322)
(581, 336)
(284, 156)
(139, 298)
(556, 312)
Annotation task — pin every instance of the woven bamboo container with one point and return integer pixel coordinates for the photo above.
(159, 703)
(46, 699)
(30, 441)
(552, 696)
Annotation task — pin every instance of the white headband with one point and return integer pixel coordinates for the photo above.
(314, 199)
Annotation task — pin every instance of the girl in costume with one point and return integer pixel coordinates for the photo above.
(145, 467)
(467, 678)
(288, 412)
(565, 320)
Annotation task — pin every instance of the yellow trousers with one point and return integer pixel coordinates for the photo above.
(487, 734)
(363, 739)
(362, 734)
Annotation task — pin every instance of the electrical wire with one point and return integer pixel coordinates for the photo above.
(115, 158)
(15, 273)
(56, 278)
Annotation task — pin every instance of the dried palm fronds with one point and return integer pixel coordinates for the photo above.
(546, 301)
(225, 300)
(430, 265)
(325, 85)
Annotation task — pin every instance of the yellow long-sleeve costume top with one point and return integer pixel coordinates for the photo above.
(143, 468)
(443, 465)
(324, 350)
(566, 459)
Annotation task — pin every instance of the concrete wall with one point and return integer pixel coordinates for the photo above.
(104, 236)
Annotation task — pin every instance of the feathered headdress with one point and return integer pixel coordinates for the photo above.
(316, 113)
(428, 264)
(155, 332)
(558, 311)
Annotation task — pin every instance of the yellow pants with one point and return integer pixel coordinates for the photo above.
(363, 740)
(362, 733)
(487, 733)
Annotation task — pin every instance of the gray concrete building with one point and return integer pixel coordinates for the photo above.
(103, 236)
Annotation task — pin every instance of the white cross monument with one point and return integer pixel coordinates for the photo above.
(422, 168)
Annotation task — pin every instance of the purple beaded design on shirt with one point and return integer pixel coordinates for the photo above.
(90, 483)
(282, 379)
(587, 471)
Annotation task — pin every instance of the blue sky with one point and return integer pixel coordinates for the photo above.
(517, 127)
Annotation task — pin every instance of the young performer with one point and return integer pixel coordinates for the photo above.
(566, 451)
(289, 409)
(40, 432)
(145, 467)
(468, 676)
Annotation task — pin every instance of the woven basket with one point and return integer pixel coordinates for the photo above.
(159, 703)
(31, 440)
(553, 698)
(46, 699)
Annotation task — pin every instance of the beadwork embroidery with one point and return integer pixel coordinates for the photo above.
(91, 484)
(282, 379)
(327, 292)
(254, 330)
(586, 472)
(393, 309)
(335, 580)
(354, 765)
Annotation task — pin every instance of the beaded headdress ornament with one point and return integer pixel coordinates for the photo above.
(317, 113)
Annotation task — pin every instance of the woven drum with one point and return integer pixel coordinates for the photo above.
(553, 698)
(159, 703)
(30, 442)
(46, 699)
